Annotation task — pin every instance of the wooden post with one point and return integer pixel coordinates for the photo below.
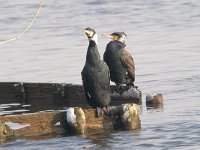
(155, 100)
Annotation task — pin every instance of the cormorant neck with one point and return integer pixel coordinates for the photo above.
(119, 43)
(115, 47)
(122, 41)
(92, 56)
(94, 38)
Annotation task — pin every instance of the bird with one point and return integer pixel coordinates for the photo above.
(119, 60)
(95, 75)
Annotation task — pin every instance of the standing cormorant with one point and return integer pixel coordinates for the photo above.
(95, 75)
(119, 61)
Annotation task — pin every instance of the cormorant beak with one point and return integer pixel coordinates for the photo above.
(109, 36)
(86, 31)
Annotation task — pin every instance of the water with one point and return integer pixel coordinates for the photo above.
(163, 37)
(13, 108)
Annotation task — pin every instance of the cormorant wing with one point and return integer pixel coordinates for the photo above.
(85, 84)
(128, 62)
(106, 69)
(106, 57)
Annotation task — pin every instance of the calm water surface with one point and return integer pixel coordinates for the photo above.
(163, 37)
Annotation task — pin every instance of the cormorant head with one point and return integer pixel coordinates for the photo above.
(91, 34)
(118, 36)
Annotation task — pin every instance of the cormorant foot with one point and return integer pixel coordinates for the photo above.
(118, 88)
(132, 86)
(99, 112)
(104, 111)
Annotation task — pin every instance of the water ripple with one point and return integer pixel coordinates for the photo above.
(163, 37)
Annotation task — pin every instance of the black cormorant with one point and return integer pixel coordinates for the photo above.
(95, 74)
(119, 61)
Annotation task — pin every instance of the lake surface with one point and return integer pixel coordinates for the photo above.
(163, 37)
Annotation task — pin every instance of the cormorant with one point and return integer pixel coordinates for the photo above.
(119, 61)
(95, 75)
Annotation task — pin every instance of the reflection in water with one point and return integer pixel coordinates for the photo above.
(101, 139)
(13, 108)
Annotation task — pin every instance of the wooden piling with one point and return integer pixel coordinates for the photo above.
(154, 100)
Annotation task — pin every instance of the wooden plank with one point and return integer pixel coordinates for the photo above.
(8, 93)
(74, 120)
(40, 96)
(37, 124)
(54, 96)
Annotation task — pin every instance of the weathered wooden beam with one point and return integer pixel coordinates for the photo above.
(74, 120)
(34, 124)
(55, 96)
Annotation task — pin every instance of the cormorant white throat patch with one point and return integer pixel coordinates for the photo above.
(94, 38)
(123, 39)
